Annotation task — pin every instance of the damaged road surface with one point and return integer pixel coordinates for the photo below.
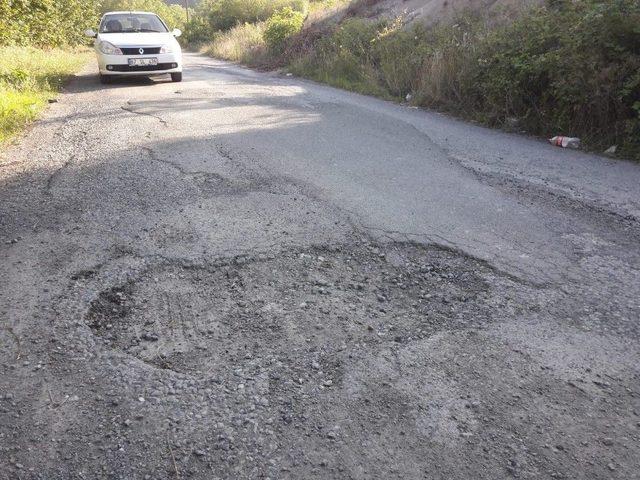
(252, 276)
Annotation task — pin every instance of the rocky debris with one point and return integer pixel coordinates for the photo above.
(316, 294)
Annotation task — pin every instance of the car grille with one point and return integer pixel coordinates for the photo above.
(136, 50)
(145, 68)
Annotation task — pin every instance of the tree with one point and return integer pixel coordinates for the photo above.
(45, 23)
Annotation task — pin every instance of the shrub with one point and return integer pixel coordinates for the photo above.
(571, 67)
(399, 54)
(197, 31)
(282, 25)
(343, 57)
(225, 14)
(445, 76)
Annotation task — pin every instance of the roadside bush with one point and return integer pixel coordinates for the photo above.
(282, 25)
(225, 14)
(344, 57)
(399, 54)
(446, 75)
(572, 67)
(197, 31)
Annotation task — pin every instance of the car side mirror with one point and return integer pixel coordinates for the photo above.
(176, 32)
(90, 33)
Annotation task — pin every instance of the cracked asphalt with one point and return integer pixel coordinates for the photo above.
(248, 275)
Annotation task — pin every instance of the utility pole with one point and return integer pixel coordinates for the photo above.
(186, 2)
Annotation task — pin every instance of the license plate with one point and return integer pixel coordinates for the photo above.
(142, 62)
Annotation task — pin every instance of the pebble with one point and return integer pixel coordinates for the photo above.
(150, 337)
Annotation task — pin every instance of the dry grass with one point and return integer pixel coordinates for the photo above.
(243, 43)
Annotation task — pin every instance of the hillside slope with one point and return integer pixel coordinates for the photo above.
(433, 11)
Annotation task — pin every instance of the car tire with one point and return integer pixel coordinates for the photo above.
(176, 77)
(105, 79)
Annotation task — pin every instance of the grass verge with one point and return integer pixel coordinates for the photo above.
(29, 77)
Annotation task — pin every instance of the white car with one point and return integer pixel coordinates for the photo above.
(136, 43)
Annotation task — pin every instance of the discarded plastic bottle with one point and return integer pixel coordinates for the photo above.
(565, 142)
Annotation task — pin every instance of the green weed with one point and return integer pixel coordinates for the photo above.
(280, 26)
(28, 78)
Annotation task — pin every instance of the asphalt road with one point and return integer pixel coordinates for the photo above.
(249, 275)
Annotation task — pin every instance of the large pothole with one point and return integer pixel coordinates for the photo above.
(202, 320)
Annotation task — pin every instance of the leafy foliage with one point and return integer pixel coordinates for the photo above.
(225, 14)
(344, 57)
(45, 23)
(570, 67)
(282, 25)
(56, 23)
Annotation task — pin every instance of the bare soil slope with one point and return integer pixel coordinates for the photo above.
(432, 11)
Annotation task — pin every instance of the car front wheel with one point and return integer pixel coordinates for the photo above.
(176, 77)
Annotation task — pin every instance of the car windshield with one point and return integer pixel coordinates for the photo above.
(132, 22)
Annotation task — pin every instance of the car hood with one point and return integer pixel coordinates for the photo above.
(141, 39)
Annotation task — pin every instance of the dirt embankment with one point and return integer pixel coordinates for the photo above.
(433, 11)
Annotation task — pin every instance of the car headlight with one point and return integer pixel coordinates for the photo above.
(166, 49)
(109, 49)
